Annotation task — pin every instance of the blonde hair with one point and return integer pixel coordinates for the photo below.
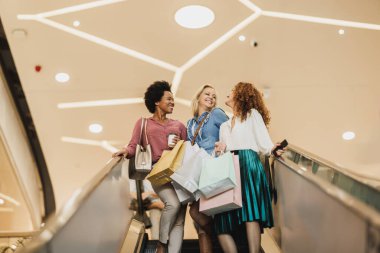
(195, 101)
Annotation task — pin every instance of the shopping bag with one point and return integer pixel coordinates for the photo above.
(134, 239)
(226, 201)
(217, 175)
(187, 176)
(141, 163)
(169, 162)
(183, 195)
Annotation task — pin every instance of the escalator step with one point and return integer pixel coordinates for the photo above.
(189, 246)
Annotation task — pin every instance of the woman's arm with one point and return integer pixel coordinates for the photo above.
(183, 134)
(261, 133)
(130, 149)
(220, 116)
(220, 146)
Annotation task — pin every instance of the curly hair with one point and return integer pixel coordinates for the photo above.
(246, 97)
(154, 93)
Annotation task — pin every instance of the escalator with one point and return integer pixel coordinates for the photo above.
(321, 207)
(318, 207)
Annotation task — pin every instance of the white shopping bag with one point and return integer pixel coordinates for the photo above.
(187, 176)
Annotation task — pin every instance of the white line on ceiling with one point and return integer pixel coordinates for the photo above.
(102, 42)
(202, 54)
(182, 101)
(10, 199)
(103, 144)
(250, 5)
(176, 81)
(319, 20)
(109, 102)
(79, 7)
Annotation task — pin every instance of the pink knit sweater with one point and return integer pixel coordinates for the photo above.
(157, 134)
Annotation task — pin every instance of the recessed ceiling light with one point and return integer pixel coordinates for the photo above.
(348, 135)
(62, 77)
(2, 201)
(76, 23)
(95, 128)
(341, 31)
(194, 16)
(242, 38)
(266, 92)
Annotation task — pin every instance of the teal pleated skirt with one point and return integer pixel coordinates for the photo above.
(255, 195)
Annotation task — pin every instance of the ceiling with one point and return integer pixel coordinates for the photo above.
(320, 83)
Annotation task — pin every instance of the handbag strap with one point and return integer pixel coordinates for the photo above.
(144, 123)
(199, 128)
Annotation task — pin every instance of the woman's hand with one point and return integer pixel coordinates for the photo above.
(220, 147)
(176, 139)
(122, 152)
(278, 152)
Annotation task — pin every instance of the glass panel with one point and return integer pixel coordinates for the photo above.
(359, 190)
(99, 224)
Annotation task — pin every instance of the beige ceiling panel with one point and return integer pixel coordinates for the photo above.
(149, 26)
(92, 68)
(362, 11)
(288, 54)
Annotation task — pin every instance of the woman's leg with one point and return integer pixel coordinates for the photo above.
(253, 236)
(155, 215)
(227, 243)
(204, 228)
(170, 212)
(176, 232)
(200, 218)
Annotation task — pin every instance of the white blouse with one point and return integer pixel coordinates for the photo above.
(250, 134)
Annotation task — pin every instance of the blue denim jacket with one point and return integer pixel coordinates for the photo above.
(209, 132)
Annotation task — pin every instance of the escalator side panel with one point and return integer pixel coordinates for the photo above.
(309, 220)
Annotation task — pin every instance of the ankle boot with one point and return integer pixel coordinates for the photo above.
(205, 243)
(161, 247)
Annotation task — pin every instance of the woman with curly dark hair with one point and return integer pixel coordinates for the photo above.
(160, 102)
(246, 134)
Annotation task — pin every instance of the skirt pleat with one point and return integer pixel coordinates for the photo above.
(255, 195)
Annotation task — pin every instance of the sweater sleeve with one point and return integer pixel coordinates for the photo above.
(183, 132)
(131, 147)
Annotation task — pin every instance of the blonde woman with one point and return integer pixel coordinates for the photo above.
(246, 134)
(204, 127)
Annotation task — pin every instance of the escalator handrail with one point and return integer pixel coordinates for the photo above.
(361, 209)
(364, 179)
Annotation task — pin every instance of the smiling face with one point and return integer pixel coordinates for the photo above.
(207, 99)
(166, 104)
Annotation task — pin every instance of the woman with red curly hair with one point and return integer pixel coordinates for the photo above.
(246, 134)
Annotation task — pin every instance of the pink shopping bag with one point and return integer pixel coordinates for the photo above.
(226, 201)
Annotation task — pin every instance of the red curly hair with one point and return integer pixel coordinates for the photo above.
(246, 97)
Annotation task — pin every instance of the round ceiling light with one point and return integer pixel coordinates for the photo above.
(2, 201)
(348, 135)
(95, 128)
(76, 23)
(62, 77)
(242, 38)
(341, 31)
(194, 16)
